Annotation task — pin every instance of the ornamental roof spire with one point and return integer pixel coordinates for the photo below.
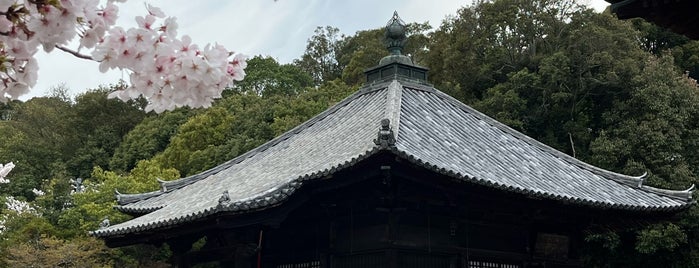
(396, 65)
(394, 35)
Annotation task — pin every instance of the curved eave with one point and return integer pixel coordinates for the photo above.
(124, 199)
(269, 199)
(168, 186)
(632, 181)
(539, 194)
(136, 210)
(682, 195)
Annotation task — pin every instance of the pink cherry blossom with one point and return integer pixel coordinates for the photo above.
(155, 11)
(92, 36)
(169, 71)
(145, 22)
(169, 27)
(110, 13)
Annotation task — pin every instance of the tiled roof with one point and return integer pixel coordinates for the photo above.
(424, 126)
(678, 16)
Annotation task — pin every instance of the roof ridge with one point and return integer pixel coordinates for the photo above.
(634, 181)
(394, 98)
(168, 186)
(390, 123)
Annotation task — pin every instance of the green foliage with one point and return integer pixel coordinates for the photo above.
(483, 43)
(658, 41)
(148, 138)
(59, 235)
(52, 252)
(24, 227)
(39, 138)
(560, 91)
(83, 251)
(52, 137)
(360, 52)
(320, 58)
(660, 237)
(615, 93)
(100, 124)
(609, 240)
(654, 126)
(687, 57)
(654, 130)
(266, 77)
(97, 201)
(503, 101)
(293, 112)
(198, 142)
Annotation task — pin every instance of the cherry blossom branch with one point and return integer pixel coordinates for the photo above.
(166, 69)
(74, 53)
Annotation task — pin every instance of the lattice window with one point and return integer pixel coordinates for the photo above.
(310, 264)
(416, 260)
(491, 264)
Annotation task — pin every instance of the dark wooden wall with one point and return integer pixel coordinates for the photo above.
(412, 218)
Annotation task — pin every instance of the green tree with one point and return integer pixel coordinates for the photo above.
(320, 58)
(659, 41)
(101, 124)
(47, 238)
(655, 131)
(37, 139)
(149, 137)
(265, 77)
(483, 43)
(52, 252)
(197, 144)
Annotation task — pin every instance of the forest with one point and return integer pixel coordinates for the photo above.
(621, 95)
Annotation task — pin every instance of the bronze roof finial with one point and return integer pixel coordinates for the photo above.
(394, 36)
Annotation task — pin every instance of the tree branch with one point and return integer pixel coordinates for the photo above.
(74, 53)
(572, 145)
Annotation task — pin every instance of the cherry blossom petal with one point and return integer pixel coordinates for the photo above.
(155, 11)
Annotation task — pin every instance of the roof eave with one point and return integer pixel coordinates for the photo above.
(169, 186)
(484, 182)
(681, 195)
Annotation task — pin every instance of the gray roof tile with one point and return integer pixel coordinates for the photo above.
(432, 130)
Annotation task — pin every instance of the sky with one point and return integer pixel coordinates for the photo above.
(278, 29)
